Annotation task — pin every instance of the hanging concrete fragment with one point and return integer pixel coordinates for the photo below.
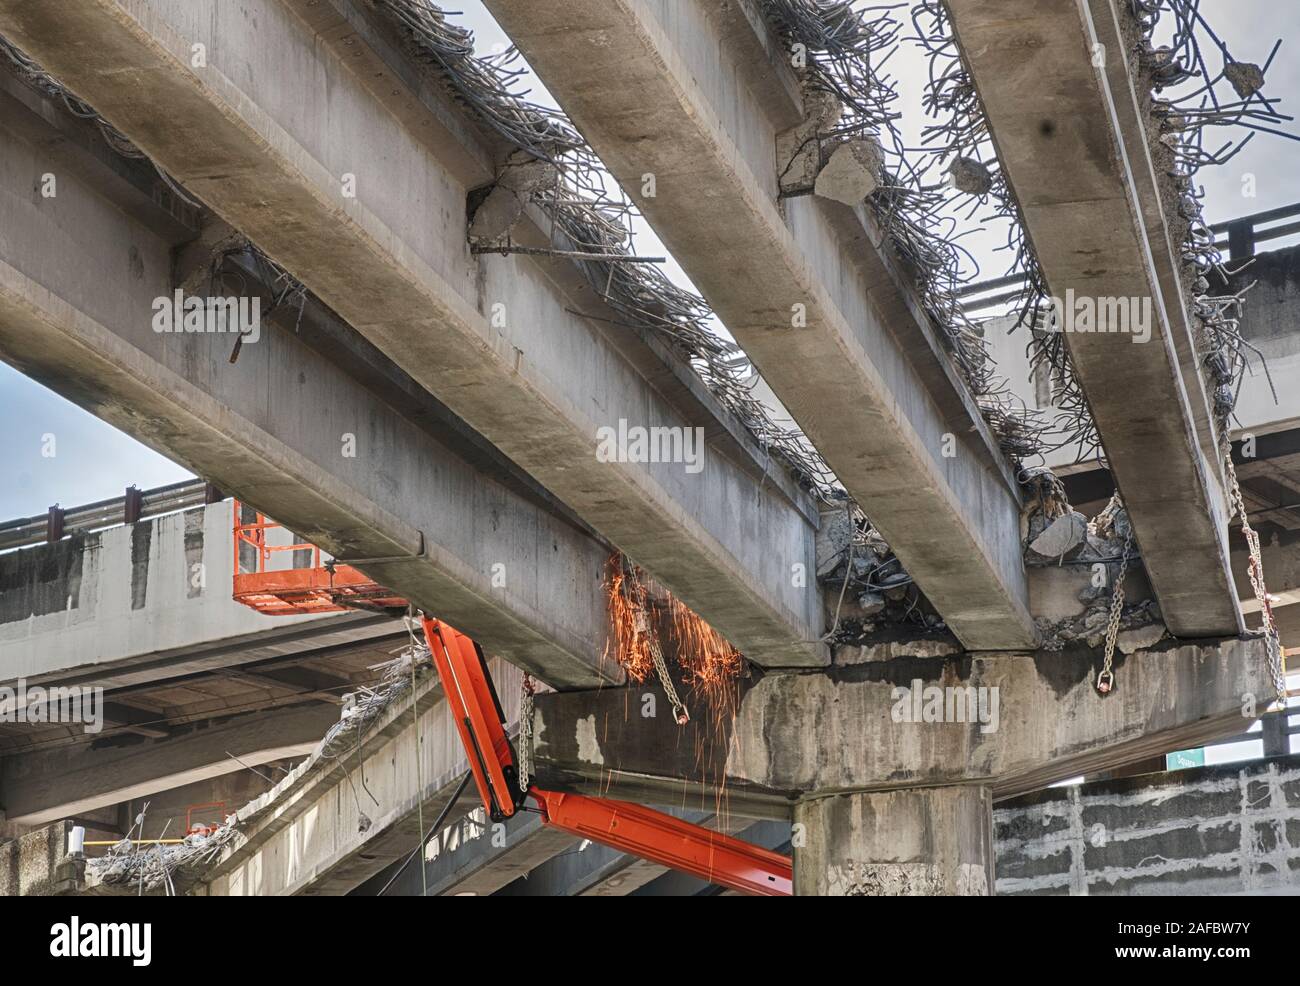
(970, 176)
(852, 172)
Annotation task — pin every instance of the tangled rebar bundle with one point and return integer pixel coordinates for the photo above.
(960, 138)
(1190, 95)
(592, 216)
(844, 49)
(171, 867)
(867, 580)
(158, 866)
(43, 82)
(1178, 140)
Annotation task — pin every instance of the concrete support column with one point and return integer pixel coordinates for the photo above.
(914, 843)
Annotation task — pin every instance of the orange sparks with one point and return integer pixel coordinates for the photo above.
(638, 608)
(629, 617)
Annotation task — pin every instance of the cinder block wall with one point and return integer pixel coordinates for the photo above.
(1209, 830)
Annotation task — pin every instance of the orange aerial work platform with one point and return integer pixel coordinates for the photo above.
(321, 587)
(472, 701)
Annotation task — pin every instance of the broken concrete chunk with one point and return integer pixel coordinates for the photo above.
(852, 173)
(821, 107)
(1035, 524)
(495, 216)
(860, 609)
(1247, 78)
(798, 156)
(526, 176)
(799, 149)
(1166, 69)
(1061, 536)
(878, 545)
(1091, 593)
(1096, 618)
(871, 603)
(827, 566)
(1097, 549)
(970, 176)
(833, 538)
(1139, 638)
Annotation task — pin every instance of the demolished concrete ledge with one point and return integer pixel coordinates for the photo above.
(1045, 722)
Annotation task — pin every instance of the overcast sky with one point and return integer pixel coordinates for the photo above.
(94, 461)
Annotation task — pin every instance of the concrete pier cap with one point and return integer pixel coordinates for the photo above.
(899, 721)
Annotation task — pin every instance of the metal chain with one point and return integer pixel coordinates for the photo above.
(679, 708)
(680, 713)
(1106, 679)
(527, 688)
(1255, 572)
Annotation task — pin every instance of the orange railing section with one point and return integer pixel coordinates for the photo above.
(323, 585)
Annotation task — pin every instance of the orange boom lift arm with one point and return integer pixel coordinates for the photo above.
(634, 829)
(268, 579)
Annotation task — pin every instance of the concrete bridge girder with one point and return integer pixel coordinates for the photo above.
(495, 339)
(696, 96)
(1075, 148)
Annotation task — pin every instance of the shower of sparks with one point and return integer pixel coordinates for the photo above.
(642, 612)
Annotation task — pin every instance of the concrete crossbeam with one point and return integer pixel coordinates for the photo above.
(74, 144)
(496, 339)
(42, 786)
(695, 96)
(1039, 720)
(78, 279)
(1073, 142)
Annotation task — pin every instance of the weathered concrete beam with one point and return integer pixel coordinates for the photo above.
(134, 721)
(356, 197)
(75, 144)
(692, 94)
(78, 281)
(39, 787)
(1073, 142)
(1037, 719)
